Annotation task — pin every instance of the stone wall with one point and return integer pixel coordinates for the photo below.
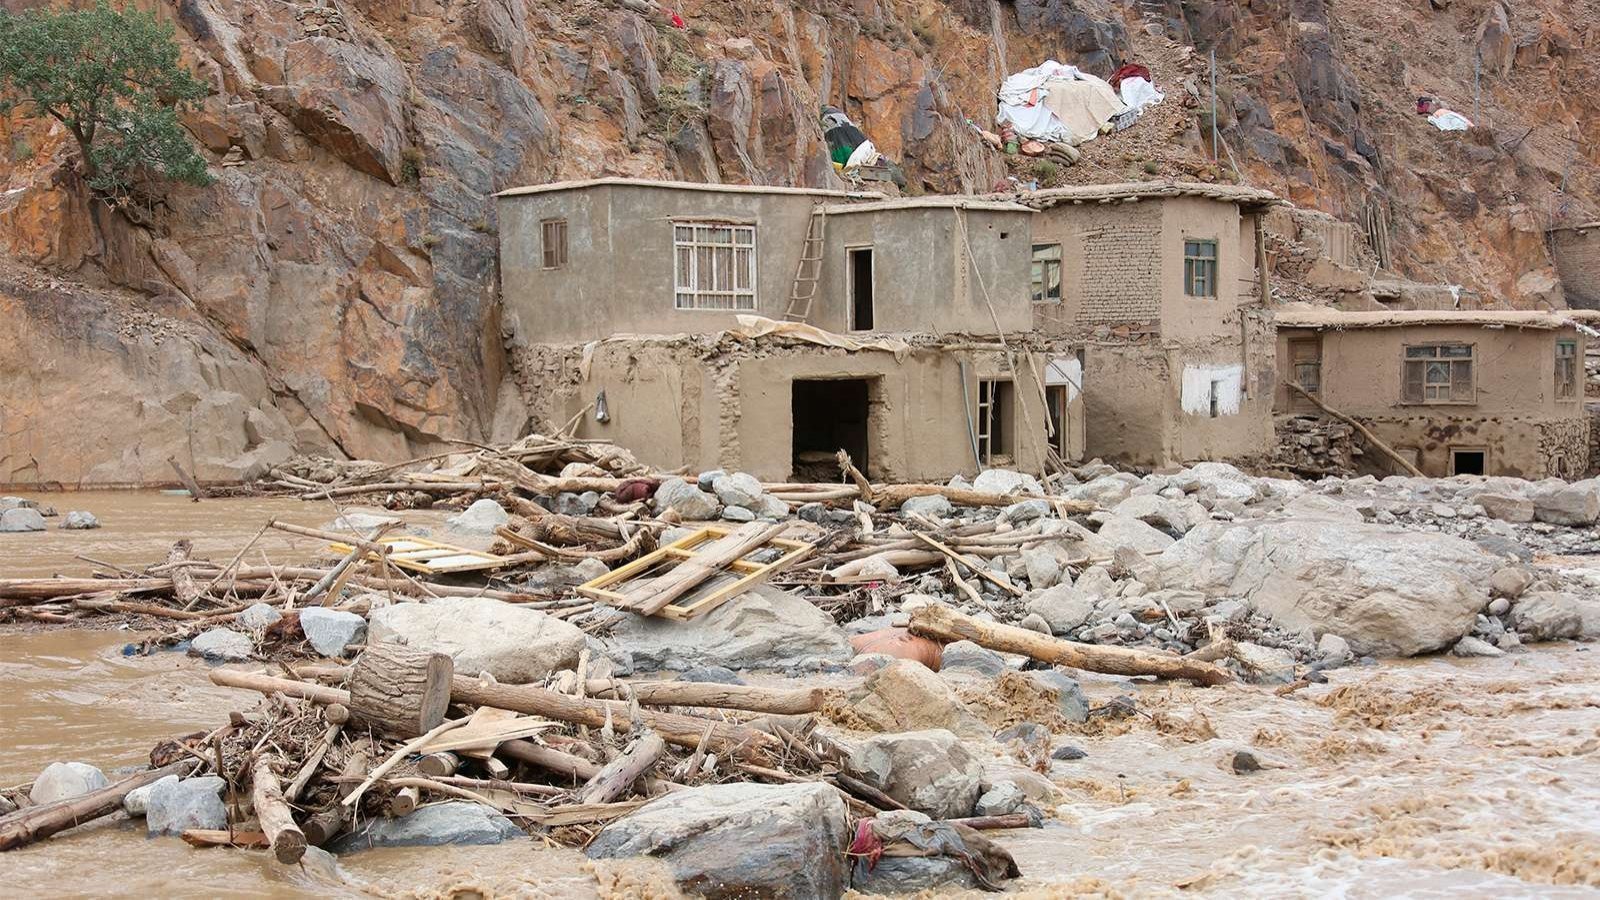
(1577, 258)
(1312, 447)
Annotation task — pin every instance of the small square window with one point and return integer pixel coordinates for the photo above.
(553, 236)
(1200, 268)
(1046, 273)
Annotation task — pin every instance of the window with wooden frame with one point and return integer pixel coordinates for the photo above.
(1438, 373)
(553, 238)
(1200, 268)
(1566, 370)
(714, 265)
(1055, 396)
(1046, 273)
(1305, 358)
(994, 420)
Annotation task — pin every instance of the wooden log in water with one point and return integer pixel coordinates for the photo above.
(399, 690)
(35, 823)
(272, 811)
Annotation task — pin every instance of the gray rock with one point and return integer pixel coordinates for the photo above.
(61, 780)
(137, 801)
(970, 656)
(1025, 511)
(913, 874)
(514, 644)
(21, 519)
(711, 675)
(1108, 490)
(1499, 606)
(1510, 582)
(1546, 616)
(1505, 507)
(1026, 732)
(570, 504)
(481, 518)
(1005, 481)
(1001, 799)
(1176, 516)
(1122, 531)
(456, 823)
(934, 506)
(763, 627)
(222, 644)
(929, 771)
(772, 508)
(708, 480)
(1333, 648)
(738, 489)
(1509, 642)
(1070, 702)
(258, 616)
(1045, 564)
(360, 521)
(329, 631)
(740, 840)
(686, 500)
(1471, 646)
(79, 520)
(815, 513)
(1035, 622)
(1064, 608)
(737, 514)
(11, 502)
(1265, 665)
(191, 803)
(1067, 752)
(1503, 546)
(1560, 503)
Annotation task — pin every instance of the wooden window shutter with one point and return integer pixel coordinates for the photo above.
(1411, 382)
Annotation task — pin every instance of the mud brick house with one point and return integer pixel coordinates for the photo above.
(764, 328)
(1576, 251)
(1162, 284)
(1458, 392)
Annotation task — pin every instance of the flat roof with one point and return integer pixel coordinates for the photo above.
(1130, 191)
(683, 186)
(1322, 317)
(938, 201)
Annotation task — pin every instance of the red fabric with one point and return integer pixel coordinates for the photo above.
(634, 489)
(677, 20)
(866, 844)
(1131, 70)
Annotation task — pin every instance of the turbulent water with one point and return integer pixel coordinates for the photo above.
(1438, 777)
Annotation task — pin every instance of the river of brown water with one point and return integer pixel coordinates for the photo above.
(1419, 779)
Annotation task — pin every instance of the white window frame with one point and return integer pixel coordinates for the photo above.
(700, 257)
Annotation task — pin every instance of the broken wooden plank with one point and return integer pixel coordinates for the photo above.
(978, 568)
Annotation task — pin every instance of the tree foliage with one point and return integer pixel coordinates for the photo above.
(111, 77)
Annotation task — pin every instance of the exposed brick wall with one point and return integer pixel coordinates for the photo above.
(1564, 446)
(1121, 278)
(1577, 256)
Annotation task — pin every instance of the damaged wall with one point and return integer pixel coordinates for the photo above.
(1577, 256)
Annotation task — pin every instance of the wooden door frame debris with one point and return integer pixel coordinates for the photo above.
(421, 557)
(704, 549)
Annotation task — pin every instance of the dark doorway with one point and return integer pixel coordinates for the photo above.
(860, 288)
(1467, 462)
(829, 415)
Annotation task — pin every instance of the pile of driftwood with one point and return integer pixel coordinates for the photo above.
(333, 747)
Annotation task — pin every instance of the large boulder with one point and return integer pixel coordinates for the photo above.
(740, 840)
(1546, 616)
(330, 631)
(61, 780)
(1389, 592)
(738, 489)
(761, 628)
(1176, 516)
(21, 519)
(1560, 503)
(481, 518)
(348, 97)
(1505, 506)
(457, 823)
(174, 806)
(686, 500)
(1123, 531)
(1005, 481)
(907, 696)
(222, 644)
(1063, 607)
(929, 771)
(514, 644)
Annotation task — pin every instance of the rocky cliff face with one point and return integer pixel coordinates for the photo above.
(334, 290)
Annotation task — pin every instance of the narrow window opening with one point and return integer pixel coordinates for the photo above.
(1056, 397)
(1045, 274)
(553, 239)
(1566, 370)
(1467, 462)
(1214, 408)
(1200, 268)
(860, 288)
(994, 417)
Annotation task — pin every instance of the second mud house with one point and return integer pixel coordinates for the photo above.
(765, 328)
(1457, 392)
(1163, 284)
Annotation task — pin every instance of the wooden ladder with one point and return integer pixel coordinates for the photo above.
(809, 270)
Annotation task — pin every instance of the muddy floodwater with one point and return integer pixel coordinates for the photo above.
(1431, 778)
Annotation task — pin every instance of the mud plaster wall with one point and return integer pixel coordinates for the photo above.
(1517, 420)
(918, 258)
(1195, 219)
(720, 407)
(1577, 257)
(619, 275)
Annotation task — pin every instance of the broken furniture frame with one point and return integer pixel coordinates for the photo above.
(627, 587)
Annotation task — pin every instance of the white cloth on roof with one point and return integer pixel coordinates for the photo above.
(1449, 120)
(1056, 102)
(1137, 93)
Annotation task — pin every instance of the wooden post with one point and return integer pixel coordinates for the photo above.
(287, 840)
(400, 690)
(187, 480)
(620, 774)
(945, 624)
(183, 587)
(754, 698)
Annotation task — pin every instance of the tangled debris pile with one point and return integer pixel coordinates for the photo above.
(515, 682)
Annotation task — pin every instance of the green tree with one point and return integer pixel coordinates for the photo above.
(113, 78)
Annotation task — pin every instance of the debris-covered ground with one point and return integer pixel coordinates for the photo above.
(892, 697)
